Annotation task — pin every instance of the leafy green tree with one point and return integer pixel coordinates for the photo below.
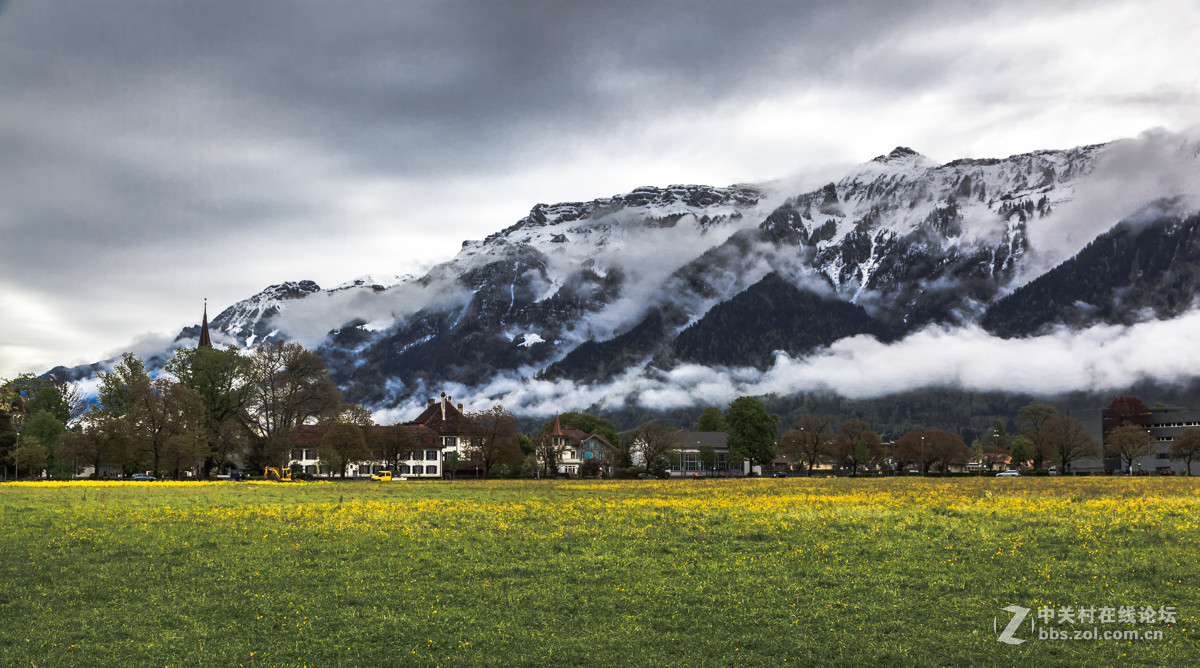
(222, 379)
(115, 394)
(712, 419)
(162, 411)
(590, 468)
(46, 430)
(1020, 450)
(45, 427)
(450, 466)
(708, 458)
(526, 444)
(102, 441)
(752, 431)
(29, 455)
(1129, 443)
(8, 432)
(35, 394)
(1186, 447)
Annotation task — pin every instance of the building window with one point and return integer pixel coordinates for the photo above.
(404, 469)
(431, 470)
(431, 455)
(449, 441)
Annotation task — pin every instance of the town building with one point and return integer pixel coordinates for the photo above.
(441, 429)
(577, 446)
(686, 460)
(1163, 423)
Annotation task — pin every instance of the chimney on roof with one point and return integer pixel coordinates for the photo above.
(444, 399)
(460, 408)
(429, 403)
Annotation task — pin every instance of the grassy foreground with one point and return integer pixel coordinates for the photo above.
(821, 572)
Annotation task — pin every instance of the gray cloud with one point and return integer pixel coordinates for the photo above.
(221, 146)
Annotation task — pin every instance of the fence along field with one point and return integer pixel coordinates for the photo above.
(732, 572)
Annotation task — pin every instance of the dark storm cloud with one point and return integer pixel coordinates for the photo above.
(139, 125)
(171, 132)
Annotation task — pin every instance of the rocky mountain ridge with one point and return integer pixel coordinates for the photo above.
(643, 282)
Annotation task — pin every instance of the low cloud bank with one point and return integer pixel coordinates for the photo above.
(1098, 358)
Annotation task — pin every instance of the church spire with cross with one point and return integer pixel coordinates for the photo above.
(205, 339)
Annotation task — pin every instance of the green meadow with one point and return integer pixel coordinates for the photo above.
(878, 572)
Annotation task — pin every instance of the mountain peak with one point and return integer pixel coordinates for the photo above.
(900, 153)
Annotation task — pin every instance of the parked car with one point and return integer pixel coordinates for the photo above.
(781, 474)
(143, 477)
(238, 475)
(1007, 474)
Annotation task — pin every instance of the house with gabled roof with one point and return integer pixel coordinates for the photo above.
(440, 429)
(453, 428)
(578, 446)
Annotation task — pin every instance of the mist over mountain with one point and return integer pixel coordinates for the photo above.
(1029, 274)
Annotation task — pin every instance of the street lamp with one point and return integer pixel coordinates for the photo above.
(922, 454)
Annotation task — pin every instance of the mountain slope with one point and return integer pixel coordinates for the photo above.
(1148, 266)
(772, 315)
(581, 301)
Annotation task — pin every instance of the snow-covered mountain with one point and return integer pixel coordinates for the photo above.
(586, 302)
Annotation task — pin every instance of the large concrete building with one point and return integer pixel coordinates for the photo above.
(1164, 424)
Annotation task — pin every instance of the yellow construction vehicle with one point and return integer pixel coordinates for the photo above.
(275, 474)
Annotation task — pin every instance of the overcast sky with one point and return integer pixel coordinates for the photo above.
(157, 152)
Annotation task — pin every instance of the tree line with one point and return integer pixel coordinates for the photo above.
(210, 409)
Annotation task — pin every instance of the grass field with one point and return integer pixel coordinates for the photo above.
(822, 572)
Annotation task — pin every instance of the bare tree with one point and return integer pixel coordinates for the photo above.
(549, 452)
(856, 445)
(1072, 442)
(393, 444)
(344, 443)
(1037, 424)
(809, 440)
(910, 449)
(1186, 447)
(654, 445)
(493, 435)
(1129, 442)
(289, 385)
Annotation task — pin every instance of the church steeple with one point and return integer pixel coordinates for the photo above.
(205, 339)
